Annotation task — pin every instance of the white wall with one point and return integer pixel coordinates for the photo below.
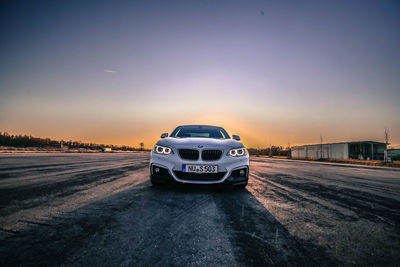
(339, 151)
(333, 151)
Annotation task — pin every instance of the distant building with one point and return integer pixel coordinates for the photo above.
(364, 150)
(394, 154)
(107, 149)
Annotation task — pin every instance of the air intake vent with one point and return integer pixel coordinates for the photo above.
(189, 154)
(199, 176)
(208, 155)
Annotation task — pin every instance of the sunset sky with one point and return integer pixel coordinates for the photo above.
(123, 72)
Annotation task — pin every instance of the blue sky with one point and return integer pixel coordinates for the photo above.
(272, 71)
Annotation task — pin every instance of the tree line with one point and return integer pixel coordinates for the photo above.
(31, 141)
(270, 151)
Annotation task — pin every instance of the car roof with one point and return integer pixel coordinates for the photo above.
(199, 125)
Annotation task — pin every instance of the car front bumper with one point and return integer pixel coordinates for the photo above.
(170, 169)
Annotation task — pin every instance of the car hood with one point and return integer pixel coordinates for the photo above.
(195, 142)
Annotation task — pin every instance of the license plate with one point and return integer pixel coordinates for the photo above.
(200, 168)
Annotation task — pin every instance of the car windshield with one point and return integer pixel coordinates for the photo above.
(200, 131)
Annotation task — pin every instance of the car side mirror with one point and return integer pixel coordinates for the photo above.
(164, 135)
(236, 137)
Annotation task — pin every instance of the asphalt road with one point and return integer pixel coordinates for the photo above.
(100, 209)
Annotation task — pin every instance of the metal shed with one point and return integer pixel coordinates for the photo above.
(364, 150)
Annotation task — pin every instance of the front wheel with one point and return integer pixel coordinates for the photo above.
(154, 183)
(241, 186)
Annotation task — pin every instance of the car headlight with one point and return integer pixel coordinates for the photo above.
(237, 152)
(164, 150)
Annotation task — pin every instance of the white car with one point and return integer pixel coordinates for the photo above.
(199, 154)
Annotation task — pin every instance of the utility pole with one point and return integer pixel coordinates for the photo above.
(320, 147)
(387, 137)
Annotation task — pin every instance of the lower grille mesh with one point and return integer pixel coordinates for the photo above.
(199, 176)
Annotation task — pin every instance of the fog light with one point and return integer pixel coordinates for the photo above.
(242, 172)
(156, 169)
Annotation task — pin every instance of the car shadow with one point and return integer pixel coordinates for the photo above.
(258, 238)
(164, 225)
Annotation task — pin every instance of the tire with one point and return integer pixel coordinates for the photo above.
(154, 183)
(241, 186)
